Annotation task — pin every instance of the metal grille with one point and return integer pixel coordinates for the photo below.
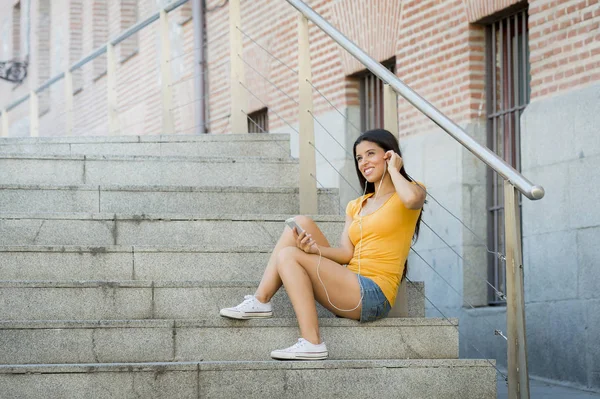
(258, 121)
(508, 92)
(371, 98)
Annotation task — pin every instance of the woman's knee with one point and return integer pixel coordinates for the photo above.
(287, 254)
(304, 221)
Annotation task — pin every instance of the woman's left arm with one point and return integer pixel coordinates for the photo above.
(411, 195)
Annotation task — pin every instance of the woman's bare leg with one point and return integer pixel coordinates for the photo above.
(298, 271)
(271, 282)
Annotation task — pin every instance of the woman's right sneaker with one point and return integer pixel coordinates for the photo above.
(251, 308)
(302, 350)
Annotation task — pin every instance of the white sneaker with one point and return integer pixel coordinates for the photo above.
(302, 350)
(251, 308)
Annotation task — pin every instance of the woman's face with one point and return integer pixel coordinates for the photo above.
(370, 159)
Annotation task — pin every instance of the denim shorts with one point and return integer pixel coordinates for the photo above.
(375, 305)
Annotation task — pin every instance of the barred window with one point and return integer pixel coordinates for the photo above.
(508, 92)
(258, 121)
(371, 98)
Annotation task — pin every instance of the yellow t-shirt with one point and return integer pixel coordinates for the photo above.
(386, 237)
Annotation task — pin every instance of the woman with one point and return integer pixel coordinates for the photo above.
(379, 228)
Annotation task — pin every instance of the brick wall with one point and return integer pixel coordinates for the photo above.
(439, 48)
(564, 41)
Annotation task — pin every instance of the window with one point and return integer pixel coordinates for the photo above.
(371, 98)
(258, 121)
(508, 92)
(16, 37)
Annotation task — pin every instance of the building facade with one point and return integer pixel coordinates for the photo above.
(522, 77)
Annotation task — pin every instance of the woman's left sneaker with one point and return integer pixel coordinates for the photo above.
(302, 350)
(250, 308)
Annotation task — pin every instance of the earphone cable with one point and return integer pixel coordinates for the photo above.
(359, 252)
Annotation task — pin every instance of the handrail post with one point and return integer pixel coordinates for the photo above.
(69, 101)
(111, 83)
(308, 183)
(34, 114)
(390, 110)
(168, 126)
(518, 376)
(239, 97)
(5, 131)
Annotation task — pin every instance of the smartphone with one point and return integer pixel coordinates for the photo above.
(292, 223)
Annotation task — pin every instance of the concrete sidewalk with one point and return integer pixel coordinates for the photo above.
(544, 390)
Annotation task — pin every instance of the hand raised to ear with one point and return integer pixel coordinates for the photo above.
(394, 161)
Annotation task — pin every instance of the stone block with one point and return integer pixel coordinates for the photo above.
(552, 213)
(584, 191)
(551, 273)
(87, 301)
(22, 170)
(40, 199)
(27, 230)
(475, 275)
(159, 383)
(442, 264)
(561, 128)
(60, 263)
(547, 132)
(593, 343)
(588, 260)
(477, 334)
(190, 265)
(24, 148)
(555, 337)
(134, 344)
(39, 346)
(586, 110)
(443, 160)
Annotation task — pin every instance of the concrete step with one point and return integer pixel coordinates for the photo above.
(386, 379)
(117, 300)
(85, 263)
(208, 145)
(148, 170)
(219, 339)
(114, 263)
(160, 199)
(102, 229)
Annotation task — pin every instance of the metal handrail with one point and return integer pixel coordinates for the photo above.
(99, 51)
(531, 191)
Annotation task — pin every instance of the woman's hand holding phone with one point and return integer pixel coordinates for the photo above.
(305, 242)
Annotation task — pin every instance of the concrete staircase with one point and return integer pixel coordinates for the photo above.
(117, 253)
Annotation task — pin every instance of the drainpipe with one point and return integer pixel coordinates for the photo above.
(199, 18)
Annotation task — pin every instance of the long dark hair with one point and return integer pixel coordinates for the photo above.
(387, 141)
